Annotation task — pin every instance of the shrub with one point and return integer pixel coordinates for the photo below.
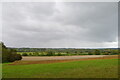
(18, 56)
(24, 54)
(115, 52)
(59, 54)
(50, 53)
(41, 54)
(105, 53)
(97, 52)
(9, 55)
(67, 52)
(36, 54)
(90, 53)
(30, 54)
(12, 58)
(75, 52)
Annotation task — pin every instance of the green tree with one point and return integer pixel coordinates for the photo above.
(9, 55)
(97, 52)
(50, 53)
(90, 53)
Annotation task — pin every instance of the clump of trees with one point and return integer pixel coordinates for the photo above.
(9, 55)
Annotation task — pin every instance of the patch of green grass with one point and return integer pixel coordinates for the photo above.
(0, 70)
(107, 68)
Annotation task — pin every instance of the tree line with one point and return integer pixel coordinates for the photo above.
(64, 51)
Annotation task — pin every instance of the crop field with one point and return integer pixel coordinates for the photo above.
(59, 39)
(95, 67)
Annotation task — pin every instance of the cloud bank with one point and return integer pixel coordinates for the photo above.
(60, 24)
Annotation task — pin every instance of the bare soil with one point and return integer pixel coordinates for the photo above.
(56, 59)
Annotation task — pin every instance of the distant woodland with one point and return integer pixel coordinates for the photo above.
(13, 54)
(65, 51)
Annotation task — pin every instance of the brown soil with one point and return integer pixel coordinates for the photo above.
(23, 62)
(41, 58)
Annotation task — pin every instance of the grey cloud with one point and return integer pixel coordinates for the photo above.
(68, 24)
(99, 18)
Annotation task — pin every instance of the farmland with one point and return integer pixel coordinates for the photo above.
(106, 67)
(59, 63)
(59, 39)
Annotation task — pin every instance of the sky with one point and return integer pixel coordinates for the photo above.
(60, 24)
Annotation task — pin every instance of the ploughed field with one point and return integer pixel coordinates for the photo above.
(87, 66)
(39, 58)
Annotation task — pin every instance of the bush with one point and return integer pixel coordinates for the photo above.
(24, 54)
(67, 52)
(59, 54)
(105, 53)
(9, 55)
(11, 58)
(115, 52)
(36, 54)
(90, 53)
(30, 54)
(97, 52)
(18, 56)
(50, 53)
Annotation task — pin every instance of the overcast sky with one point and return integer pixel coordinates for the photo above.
(60, 24)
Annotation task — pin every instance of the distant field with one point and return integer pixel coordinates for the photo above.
(37, 58)
(98, 68)
(56, 59)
